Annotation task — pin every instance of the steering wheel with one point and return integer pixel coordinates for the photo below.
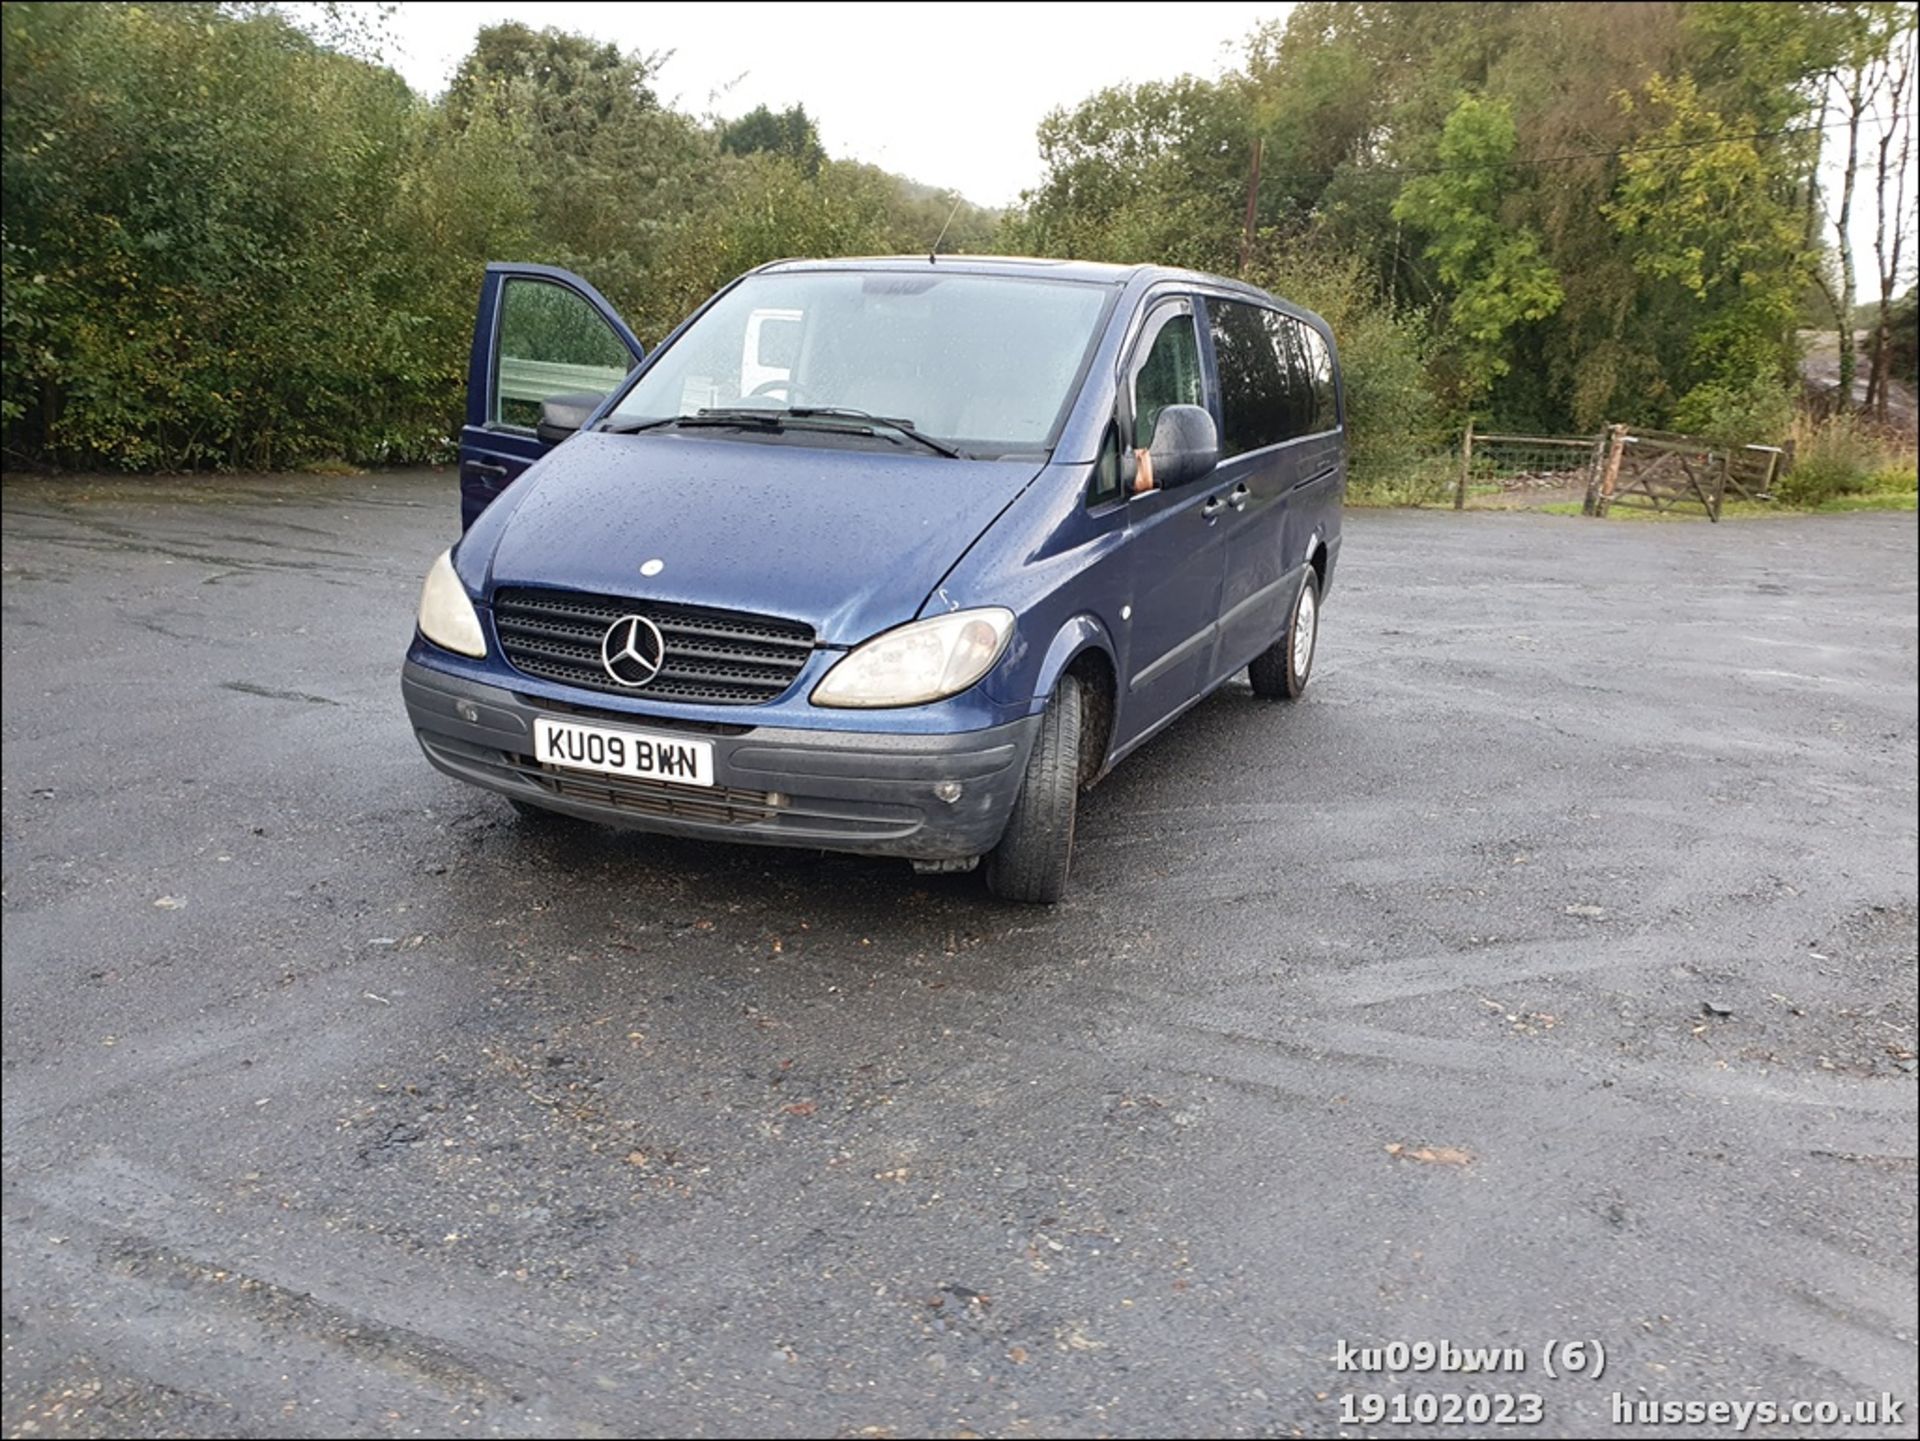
(767, 387)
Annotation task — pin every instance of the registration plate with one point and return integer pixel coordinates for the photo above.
(576, 747)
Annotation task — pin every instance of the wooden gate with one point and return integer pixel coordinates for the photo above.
(1649, 470)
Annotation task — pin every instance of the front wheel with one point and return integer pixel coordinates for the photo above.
(1030, 863)
(1282, 670)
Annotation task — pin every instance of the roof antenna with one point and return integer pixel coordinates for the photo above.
(957, 199)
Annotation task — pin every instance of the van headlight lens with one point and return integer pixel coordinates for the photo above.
(916, 663)
(447, 617)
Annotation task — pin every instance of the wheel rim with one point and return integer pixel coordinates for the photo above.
(1306, 625)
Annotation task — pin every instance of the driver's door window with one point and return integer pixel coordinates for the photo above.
(1166, 369)
(552, 342)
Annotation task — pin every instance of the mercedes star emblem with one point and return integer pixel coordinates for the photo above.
(633, 650)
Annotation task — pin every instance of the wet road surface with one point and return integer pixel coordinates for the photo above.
(1548, 974)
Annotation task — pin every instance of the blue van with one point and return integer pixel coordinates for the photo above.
(890, 556)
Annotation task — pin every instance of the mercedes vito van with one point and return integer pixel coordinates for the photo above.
(891, 556)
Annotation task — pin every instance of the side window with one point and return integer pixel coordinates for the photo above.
(1326, 400)
(552, 342)
(1290, 347)
(1105, 484)
(1165, 370)
(1254, 388)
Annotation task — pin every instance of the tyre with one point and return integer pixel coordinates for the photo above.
(1282, 670)
(1030, 863)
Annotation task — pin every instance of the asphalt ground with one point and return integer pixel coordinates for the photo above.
(1547, 975)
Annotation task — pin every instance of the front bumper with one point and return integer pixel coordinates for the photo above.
(872, 794)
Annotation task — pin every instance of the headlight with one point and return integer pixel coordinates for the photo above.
(446, 615)
(919, 662)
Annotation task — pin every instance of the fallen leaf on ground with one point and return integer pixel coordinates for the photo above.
(1431, 1155)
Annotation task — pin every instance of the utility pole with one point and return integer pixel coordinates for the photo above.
(1253, 196)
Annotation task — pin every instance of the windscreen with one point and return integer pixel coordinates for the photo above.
(985, 363)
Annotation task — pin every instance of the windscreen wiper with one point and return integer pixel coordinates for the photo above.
(634, 427)
(861, 422)
(764, 417)
(904, 427)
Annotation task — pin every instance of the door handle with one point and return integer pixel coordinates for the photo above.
(481, 467)
(1215, 504)
(1238, 497)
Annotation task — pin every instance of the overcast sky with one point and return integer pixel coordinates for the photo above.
(947, 94)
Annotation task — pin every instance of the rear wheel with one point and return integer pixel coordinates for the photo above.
(1031, 862)
(1282, 670)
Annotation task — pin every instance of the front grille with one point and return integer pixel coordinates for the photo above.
(714, 657)
(716, 805)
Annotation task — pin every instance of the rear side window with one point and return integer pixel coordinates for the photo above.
(1276, 376)
(1255, 383)
(1326, 403)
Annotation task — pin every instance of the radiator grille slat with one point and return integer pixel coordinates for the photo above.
(713, 657)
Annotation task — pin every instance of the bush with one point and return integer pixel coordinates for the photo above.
(1895, 477)
(1833, 458)
(1420, 480)
(201, 262)
(1756, 413)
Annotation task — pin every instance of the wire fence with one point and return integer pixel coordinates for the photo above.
(1542, 466)
(1624, 465)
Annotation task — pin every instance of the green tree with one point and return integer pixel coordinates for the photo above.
(578, 84)
(1490, 262)
(1151, 172)
(1706, 216)
(790, 132)
(607, 168)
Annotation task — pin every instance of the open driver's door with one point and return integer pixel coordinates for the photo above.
(541, 333)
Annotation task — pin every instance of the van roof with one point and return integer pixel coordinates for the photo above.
(1085, 271)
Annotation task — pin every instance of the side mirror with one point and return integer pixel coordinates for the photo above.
(1186, 446)
(562, 415)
